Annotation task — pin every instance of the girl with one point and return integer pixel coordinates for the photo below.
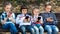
(8, 18)
(37, 21)
(24, 21)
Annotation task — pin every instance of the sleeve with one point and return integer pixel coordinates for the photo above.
(14, 16)
(2, 17)
(44, 19)
(18, 19)
(41, 19)
(55, 19)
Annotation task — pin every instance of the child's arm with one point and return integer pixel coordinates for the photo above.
(3, 18)
(41, 20)
(12, 18)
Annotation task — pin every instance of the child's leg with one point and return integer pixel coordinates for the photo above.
(29, 28)
(36, 30)
(49, 29)
(55, 29)
(23, 29)
(13, 28)
(41, 30)
(6, 26)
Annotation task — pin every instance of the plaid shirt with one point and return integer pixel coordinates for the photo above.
(4, 15)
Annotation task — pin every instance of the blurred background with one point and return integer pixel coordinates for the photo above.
(31, 4)
(34, 3)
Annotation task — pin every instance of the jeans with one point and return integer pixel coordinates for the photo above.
(51, 29)
(11, 27)
(26, 27)
(38, 29)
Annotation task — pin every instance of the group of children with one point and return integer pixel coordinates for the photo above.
(33, 23)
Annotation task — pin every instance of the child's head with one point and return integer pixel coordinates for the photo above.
(7, 6)
(24, 9)
(35, 11)
(48, 7)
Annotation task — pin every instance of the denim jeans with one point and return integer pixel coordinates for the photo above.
(40, 29)
(27, 27)
(51, 29)
(11, 27)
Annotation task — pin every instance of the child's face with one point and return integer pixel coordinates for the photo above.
(48, 8)
(24, 11)
(36, 11)
(8, 8)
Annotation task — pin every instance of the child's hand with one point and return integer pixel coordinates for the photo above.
(50, 19)
(28, 19)
(25, 20)
(9, 14)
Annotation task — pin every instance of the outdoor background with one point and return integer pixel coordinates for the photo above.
(31, 4)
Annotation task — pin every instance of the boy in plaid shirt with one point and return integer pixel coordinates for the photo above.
(8, 19)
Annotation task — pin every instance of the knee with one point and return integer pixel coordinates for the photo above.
(49, 30)
(23, 29)
(41, 29)
(56, 30)
(36, 29)
(32, 30)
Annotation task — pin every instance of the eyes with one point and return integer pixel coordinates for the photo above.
(36, 11)
(24, 10)
(48, 7)
(8, 7)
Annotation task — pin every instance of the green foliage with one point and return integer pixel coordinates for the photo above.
(16, 3)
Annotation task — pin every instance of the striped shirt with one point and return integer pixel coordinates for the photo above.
(4, 15)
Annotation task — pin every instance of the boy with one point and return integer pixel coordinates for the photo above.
(50, 20)
(8, 18)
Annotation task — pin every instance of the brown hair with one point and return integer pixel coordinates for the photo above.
(47, 5)
(34, 9)
(5, 4)
(23, 7)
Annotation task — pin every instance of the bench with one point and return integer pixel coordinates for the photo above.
(58, 24)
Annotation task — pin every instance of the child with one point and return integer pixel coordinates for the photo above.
(24, 22)
(37, 21)
(8, 18)
(50, 20)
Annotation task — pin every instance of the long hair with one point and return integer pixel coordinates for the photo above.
(33, 10)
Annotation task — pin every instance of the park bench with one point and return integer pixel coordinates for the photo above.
(58, 24)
